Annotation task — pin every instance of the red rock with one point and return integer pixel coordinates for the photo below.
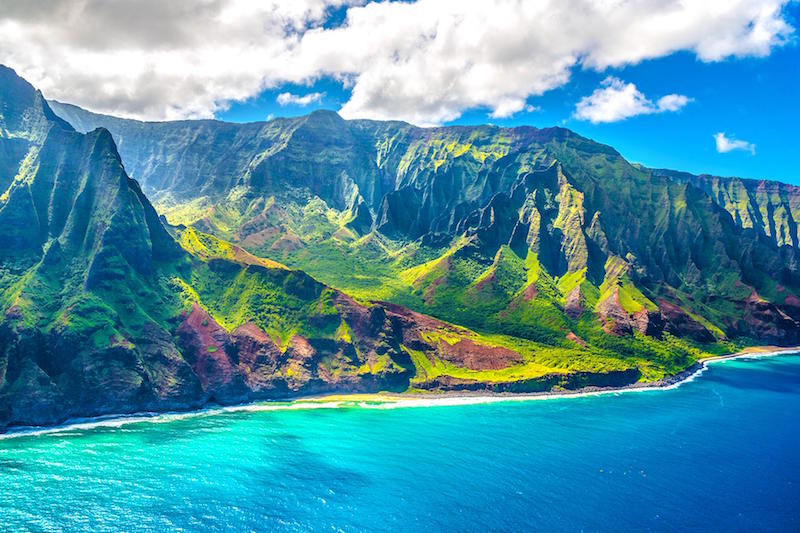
(577, 340)
(469, 354)
(205, 345)
(573, 306)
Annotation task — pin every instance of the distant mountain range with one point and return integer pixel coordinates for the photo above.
(314, 254)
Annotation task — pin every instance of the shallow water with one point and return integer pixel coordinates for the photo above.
(720, 453)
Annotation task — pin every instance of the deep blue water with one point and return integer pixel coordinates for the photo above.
(720, 453)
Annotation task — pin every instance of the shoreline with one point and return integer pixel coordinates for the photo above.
(670, 382)
(390, 400)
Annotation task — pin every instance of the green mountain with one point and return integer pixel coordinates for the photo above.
(770, 208)
(475, 258)
(538, 234)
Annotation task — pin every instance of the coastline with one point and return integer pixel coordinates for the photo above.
(388, 400)
(662, 384)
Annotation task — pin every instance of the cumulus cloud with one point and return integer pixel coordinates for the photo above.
(425, 61)
(727, 144)
(296, 99)
(617, 100)
(153, 59)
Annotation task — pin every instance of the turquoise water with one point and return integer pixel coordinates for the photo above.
(721, 453)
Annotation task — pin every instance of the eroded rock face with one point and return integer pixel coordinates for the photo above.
(573, 306)
(469, 354)
(248, 363)
(668, 317)
(616, 321)
(257, 358)
(650, 323)
(577, 340)
(768, 322)
(206, 346)
(680, 324)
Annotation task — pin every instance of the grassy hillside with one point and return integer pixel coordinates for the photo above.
(539, 235)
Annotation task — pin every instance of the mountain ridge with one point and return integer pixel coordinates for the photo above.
(76, 113)
(315, 254)
(430, 185)
(83, 119)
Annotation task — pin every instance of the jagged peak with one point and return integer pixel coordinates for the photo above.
(20, 98)
(9, 75)
(105, 141)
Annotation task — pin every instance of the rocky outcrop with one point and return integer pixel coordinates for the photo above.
(767, 321)
(616, 321)
(680, 324)
(573, 305)
(467, 353)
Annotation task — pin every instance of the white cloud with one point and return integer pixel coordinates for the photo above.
(154, 59)
(727, 144)
(507, 108)
(672, 102)
(295, 99)
(425, 61)
(617, 100)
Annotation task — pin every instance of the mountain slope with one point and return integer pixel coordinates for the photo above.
(385, 210)
(769, 207)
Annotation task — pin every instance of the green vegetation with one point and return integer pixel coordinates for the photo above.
(564, 284)
(315, 254)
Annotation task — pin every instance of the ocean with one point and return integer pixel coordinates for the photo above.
(720, 453)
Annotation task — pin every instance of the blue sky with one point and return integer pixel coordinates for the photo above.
(704, 86)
